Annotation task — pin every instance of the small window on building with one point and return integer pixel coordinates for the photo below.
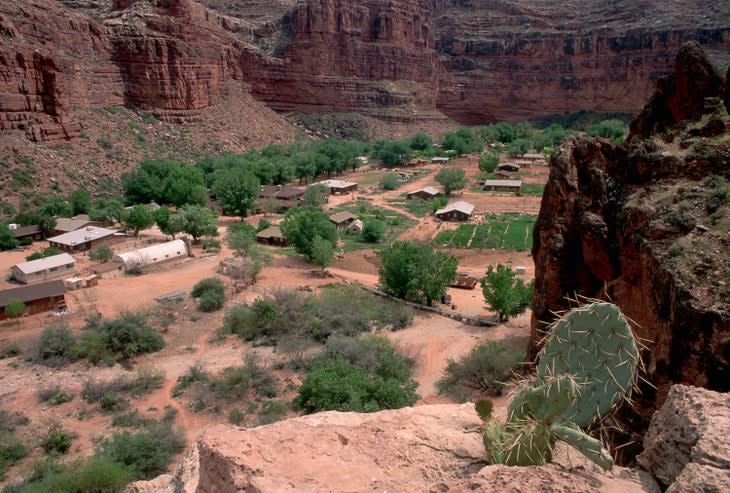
(52, 269)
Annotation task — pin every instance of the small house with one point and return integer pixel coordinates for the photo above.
(356, 227)
(502, 185)
(523, 163)
(425, 193)
(271, 236)
(32, 232)
(107, 270)
(456, 211)
(36, 297)
(440, 160)
(342, 219)
(504, 175)
(339, 187)
(151, 255)
(43, 269)
(85, 239)
(511, 167)
(68, 224)
(464, 281)
(532, 156)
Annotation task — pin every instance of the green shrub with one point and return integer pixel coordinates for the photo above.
(145, 453)
(194, 375)
(211, 245)
(272, 411)
(390, 181)
(11, 451)
(236, 416)
(57, 442)
(54, 395)
(121, 338)
(43, 253)
(210, 293)
(102, 253)
(9, 350)
(131, 419)
(54, 347)
(485, 369)
(237, 382)
(15, 308)
(373, 231)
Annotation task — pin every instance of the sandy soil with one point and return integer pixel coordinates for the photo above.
(431, 341)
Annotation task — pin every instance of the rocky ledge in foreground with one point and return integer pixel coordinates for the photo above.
(435, 448)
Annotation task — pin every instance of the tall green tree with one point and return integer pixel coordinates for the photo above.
(196, 221)
(236, 190)
(80, 202)
(139, 218)
(7, 238)
(323, 252)
(504, 294)
(416, 272)
(302, 224)
(488, 162)
(451, 179)
(240, 237)
(315, 195)
(392, 152)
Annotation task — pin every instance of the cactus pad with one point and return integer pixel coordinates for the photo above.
(595, 345)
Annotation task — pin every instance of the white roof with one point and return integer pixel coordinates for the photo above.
(46, 263)
(531, 155)
(152, 254)
(80, 236)
(503, 183)
(428, 190)
(336, 183)
(460, 206)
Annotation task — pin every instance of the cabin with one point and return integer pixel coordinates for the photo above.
(504, 175)
(456, 211)
(502, 185)
(532, 156)
(32, 232)
(44, 269)
(85, 239)
(523, 163)
(511, 167)
(107, 270)
(271, 236)
(464, 281)
(339, 187)
(440, 160)
(342, 219)
(36, 297)
(425, 193)
(152, 255)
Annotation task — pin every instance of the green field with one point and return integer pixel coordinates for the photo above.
(395, 224)
(510, 231)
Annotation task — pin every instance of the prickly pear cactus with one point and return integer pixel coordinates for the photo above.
(595, 345)
(530, 442)
(546, 401)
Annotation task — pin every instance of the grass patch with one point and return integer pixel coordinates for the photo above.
(395, 224)
(510, 231)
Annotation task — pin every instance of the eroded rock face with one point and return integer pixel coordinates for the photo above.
(426, 448)
(641, 225)
(686, 447)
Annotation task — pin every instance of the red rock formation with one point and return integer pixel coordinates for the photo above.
(642, 226)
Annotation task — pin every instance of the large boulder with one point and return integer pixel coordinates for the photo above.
(686, 448)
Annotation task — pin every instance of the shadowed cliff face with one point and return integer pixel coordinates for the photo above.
(406, 61)
(647, 225)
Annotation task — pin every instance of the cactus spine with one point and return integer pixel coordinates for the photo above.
(586, 366)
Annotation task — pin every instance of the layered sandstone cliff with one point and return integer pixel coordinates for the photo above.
(647, 225)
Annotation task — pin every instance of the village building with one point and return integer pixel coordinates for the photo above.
(440, 160)
(271, 236)
(342, 219)
(502, 185)
(36, 297)
(511, 167)
(417, 162)
(464, 281)
(43, 269)
(286, 197)
(523, 163)
(107, 270)
(68, 224)
(32, 232)
(152, 207)
(151, 255)
(85, 239)
(425, 193)
(531, 156)
(356, 227)
(339, 187)
(456, 211)
(504, 175)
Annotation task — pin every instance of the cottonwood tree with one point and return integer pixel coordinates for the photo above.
(7, 238)
(236, 190)
(451, 179)
(196, 221)
(323, 252)
(163, 219)
(504, 294)
(302, 224)
(139, 218)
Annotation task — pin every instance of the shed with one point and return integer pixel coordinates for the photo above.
(440, 160)
(456, 211)
(37, 297)
(504, 175)
(512, 167)
(155, 254)
(85, 239)
(502, 185)
(342, 219)
(464, 281)
(425, 193)
(356, 227)
(532, 156)
(271, 236)
(109, 269)
(523, 163)
(22, 232)
(43, 269)
(339, 187)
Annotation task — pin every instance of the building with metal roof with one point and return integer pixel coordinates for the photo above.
(36, 297)
(502, 185)
(337, 187)
(154, 254)
(456, 211)
(43, 269)
(83, 239)
(425, 193)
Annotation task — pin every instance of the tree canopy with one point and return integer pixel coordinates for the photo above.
(505, 294)
(139, 218)
(302, 224)
(236, 190)
(451, 179)
(196, 221)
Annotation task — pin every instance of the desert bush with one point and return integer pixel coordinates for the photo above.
(485, 370)
(57, 441)
(131, 419)
(121, 338)
(99, 475)
(210, 293)
(237, 382)
(15, 308)
(9, 350)
(55, 345)
(211, 245)
(272, 411)
(10, 422)
(11, 451)
(236, 416)
(145, 453)
(110, 395)
(390, 181)
(194, 375)
(54, 395)
(102, 253)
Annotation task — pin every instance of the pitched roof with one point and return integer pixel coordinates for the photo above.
(68, 224)
(342, 217)
(533, 156)
(502, 183)
(337, 183)
(280, 192)
(46, 263)
(33, 292)
(428, 190)
(270, 232)
(26, 230)
(460, 206)
(82, 236)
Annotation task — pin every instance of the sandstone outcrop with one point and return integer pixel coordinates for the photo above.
(643, 225)
(686, 447)
(426, 448)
